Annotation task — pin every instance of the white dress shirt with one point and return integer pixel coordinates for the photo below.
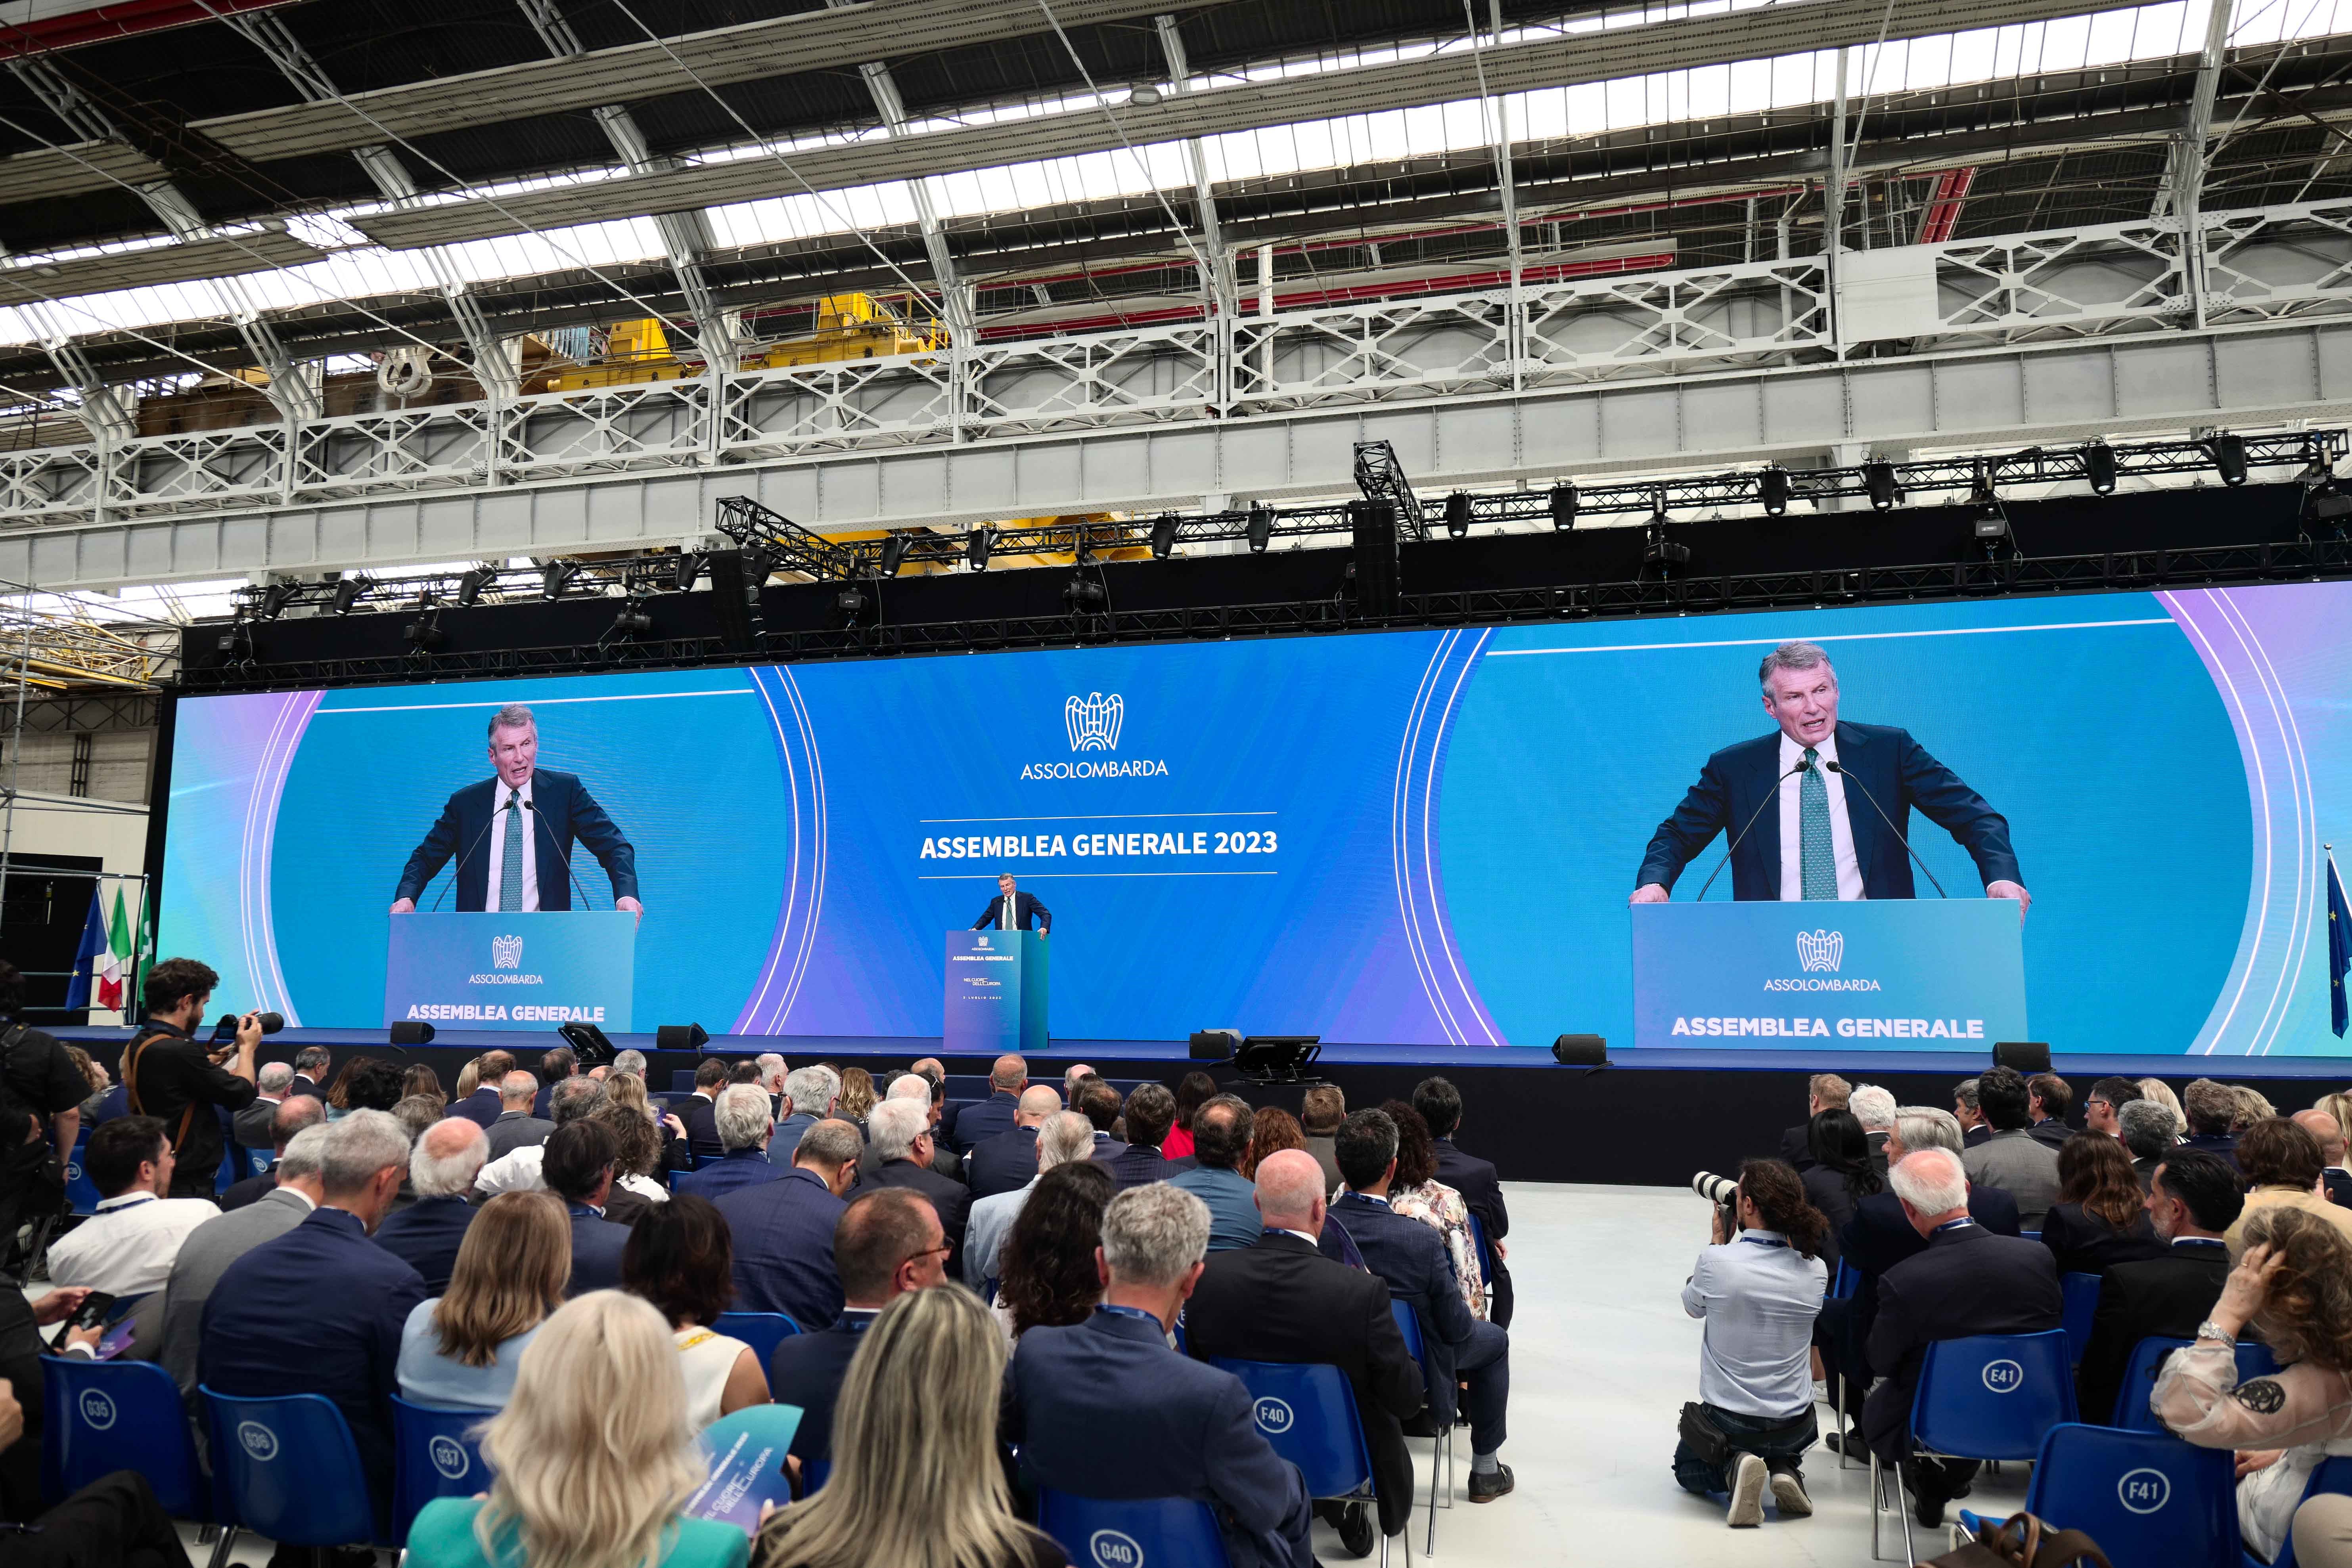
(127, 1246)
(498, 840)
(1793, 820)
(516, 1171)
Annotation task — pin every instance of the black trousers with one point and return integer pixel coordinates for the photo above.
(113, 1522)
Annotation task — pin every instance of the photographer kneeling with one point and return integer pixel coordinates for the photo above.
(1758, 1294)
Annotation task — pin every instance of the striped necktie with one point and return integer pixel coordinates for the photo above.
(1817, 856)
(510, 860)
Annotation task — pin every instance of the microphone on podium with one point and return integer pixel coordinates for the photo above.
(1857, 784)
(1769, 797)
(540, 824)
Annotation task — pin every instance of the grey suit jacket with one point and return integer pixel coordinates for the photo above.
(2020, 1165)
(203, 1259)
(251, 1126)
(508, 1134)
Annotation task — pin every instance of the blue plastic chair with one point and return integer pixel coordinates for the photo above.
(2082, 1305)
(2143, 1496)
(763, 1332)
(2333, 1475)
(1306, 1413)
(287, 1468)
(1441, 1452)
(229, 1173)
(814, 1475)
(101, 1417)
(1989, 1396)
(81, 1191)
(1485, 1253)
(1847, 1280)
(435, 1454)
(2131, 1412)
(1134, 1532)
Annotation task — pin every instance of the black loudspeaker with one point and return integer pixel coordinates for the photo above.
(2028, 1057)
(1375, 525)
(412, 1033)
(731, 590)
(1215, 1044)
(680, 1038)
(1580, 1051)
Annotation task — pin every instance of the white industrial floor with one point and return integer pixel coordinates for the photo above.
(1602, 1359)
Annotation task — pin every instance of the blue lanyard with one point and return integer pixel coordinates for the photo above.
(1760, 1241)
(2199, 1241)
(1138, 1313)
(1950, 1224)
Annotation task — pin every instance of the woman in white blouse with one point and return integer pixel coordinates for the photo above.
(681, 1260)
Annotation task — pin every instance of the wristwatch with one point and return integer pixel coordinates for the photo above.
(2210, 1329)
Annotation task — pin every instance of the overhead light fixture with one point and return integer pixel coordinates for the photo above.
(1144, 97)
(235, 644)
(425, 634)
(275, 598)
(1563, 507)
(1260, 529)
(1085, 595)
(977, 544)
(1773, 488)
(556, 576)
(1163, 536)
(1457, 513)
(1657, 549)
(850, 604)
(632, 621)
(686, 571)
(2099, 467)
(894, 552)
(1878, 480)
(470, 585)
(348, 590)
(2229, 454)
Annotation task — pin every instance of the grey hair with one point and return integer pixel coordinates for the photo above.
(1063, 1137)
(2147, 1126)
(519, 1085)
(449, 1175)
(895, 1124)
(305, 1153)
(1929, 1127)
(513, 716)
(742, 1116)
(1872, 1107)
(811, 1090)
(631, 1061)
(359, 1146)
(575, 1097)
(1152, 1234)
(1931, 1181)
(275, 1078)
(829, 1142)
(415, 1112)
(1964, 1092)
(909, 1086)
(1793, 656)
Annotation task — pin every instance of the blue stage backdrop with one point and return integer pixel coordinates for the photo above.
(1413, 837)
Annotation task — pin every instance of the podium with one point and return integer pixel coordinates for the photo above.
(995, 998)
(1904, 975)
(478, 971)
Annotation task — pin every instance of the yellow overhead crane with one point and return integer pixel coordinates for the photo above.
(848, 326)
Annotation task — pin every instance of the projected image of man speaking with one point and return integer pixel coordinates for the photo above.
(513, 833)
(1821, 809)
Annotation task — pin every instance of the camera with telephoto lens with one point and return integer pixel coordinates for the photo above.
(226, 1028)
(1724, 1194)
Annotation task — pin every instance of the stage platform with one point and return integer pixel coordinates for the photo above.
(1651, 1117)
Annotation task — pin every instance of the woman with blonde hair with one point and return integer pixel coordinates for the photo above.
(460, 1350)
(915, 1482)
(469, 1079)
(591, 1458)
(856, 1096)
(669, 1133)
(2156, 1089)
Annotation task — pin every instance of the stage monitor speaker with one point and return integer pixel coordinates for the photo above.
(1375, 526)
(1215, 1044)
(1580, 1051)
(680, 1038)
(412, 1031)
(2028, 1057)
(731, 588)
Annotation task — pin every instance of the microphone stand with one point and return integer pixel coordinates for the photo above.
(540, 823)
(1891, 828)
(461, 861)
(1771, 795)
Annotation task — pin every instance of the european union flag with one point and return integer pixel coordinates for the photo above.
(2339, 946)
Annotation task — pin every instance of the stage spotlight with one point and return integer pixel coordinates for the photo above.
(2229, 454)
(1991, 522)
(1658, 552)
(680, 1038)
(424, 633)
(1773, 488)
(1260, 529)
(1457, 513)
(1878, 480)
(274, 600)
(1580, 1051)
(1163, 537)
(348, 592)
(1085, 595)
(1563, 506)
(412, 1031)
(632, 621)
(894, 552)
(686, 571)
(589, 1044)
(470, 585)
(556, 576)
(977, 544)
(2099, 467)
(1277, 1058)
(2328, 504)
(849, 605)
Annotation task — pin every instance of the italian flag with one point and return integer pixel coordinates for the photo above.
(116, 969)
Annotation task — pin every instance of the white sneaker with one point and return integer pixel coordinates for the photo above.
(1788, 1492)
(1747, 1477)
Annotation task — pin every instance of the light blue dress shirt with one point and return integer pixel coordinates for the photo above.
(429, 1378)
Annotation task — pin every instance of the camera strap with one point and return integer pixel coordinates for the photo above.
(130, 1060)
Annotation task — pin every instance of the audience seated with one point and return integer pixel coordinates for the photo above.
(885, 1244)
(1064, 1137)
(2253, 1106)
(126, 1249)
(518, 1170)
(2156, 1089)
(1757, 1293)
(1047, 1269)
(742, 1117)
(250, 1128)
(1070, 1408)
(916, 1482)
(679, 1258)
(636, 1157)
(1272, 1130)
(628, 1089)
(460, 1347)
(1840, 1173)
(1974, 1128)
(1193, 1091)
(2101, 1215)
(903, 1151)
(1150, 1112)
(2294, 1285)
(1874, 1107)
(918, 1090)
(1440, 1104)
(1320, 1112)
(2103, 1107)
(320, 1309)
(975, 1125)
(2192, 1201)
(2207, 1109)
(2012, 1158)
(2148, 1136)
(1417, 1194)
(1008, 1161)
(1967, 1281)
(442, 1166)
(697, 1111)
(808, 1096)
(1100, 1105)
(311, 1064)
(858, 1096)
(556, 1064)
(287, 1119)
(178, 1312)
(2280, 1163)
(944, 1111)
(515, 1127)
(579, 1170)
(487, 1100)
(783, 1230)
(1221, 1135)
(1283, 1301)
(571, 1484)
(366, 1084)
(1823, 1092)
(2048, 1097)
(2328, 1133)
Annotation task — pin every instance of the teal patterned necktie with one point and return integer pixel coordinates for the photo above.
(1817, 858)
(511, 861)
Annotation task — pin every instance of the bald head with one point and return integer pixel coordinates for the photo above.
(932, 1066)
(517, 1089)
(1037, 1102)
(1290, 1191)
(2325, 1127)
(1008, 1074)
(909, 1086)
(449, 1155)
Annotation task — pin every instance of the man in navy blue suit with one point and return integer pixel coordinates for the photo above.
(577, 1167)
(1071, 1402)
(320, 1309)
(484, 1106)
(743, 1118)
(784, 1229)
(1150, 1112)
(512, 834)
(1821, 841)
(1412, 1258)
(996, 1114)
(1007, 1162)
(1012, 911)
(441, 1170)
(884, 1245)
(1440, 1104)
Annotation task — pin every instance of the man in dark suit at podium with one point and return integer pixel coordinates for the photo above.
(1843, 794)
(1012, 911)
(512, 834)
